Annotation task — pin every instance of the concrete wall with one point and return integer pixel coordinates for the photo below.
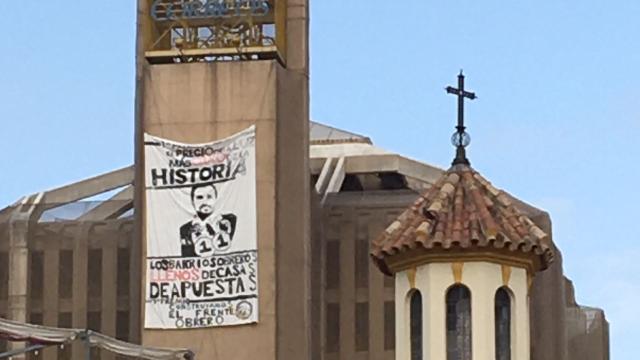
(587, 329)
(293, 230)
(200, 102)
(317, 288)
(560, 328)
(548, 317)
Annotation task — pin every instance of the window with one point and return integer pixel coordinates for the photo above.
(123, 273)
(94, 323)
(65, 274)
(122, 325)
(65, 321)
(95, 273)
(332, 329)
(503, 324)
(458, 323)
(415, 325)
(389, 325)
(362, 326)
(362, 263)
(36, 319)
(332, 272)
(36, 274)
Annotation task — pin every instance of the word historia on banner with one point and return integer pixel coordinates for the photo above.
(202, 258)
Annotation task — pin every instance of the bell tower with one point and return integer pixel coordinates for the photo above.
(205, 71)
(463, 257)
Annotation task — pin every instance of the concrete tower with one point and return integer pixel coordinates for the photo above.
(207, 70)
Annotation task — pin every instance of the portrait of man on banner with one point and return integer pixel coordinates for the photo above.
(208, 232)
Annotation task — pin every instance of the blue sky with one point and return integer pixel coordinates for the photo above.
(556, 123)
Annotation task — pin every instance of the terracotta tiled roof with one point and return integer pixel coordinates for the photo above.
(463, 213)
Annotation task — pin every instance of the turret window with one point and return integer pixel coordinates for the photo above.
(458, 323)
(416, 325)
(503, 324)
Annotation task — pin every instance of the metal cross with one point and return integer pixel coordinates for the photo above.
(461, 139)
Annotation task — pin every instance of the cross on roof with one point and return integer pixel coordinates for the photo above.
(460, 138)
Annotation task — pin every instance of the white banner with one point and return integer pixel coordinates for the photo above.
(202, 261)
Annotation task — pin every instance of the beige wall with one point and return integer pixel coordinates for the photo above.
(483, 280)
(293, 229)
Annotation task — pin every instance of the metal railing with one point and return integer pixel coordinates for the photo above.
(39, 338)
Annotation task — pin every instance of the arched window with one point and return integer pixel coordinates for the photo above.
(458, 323)
(503, 324)
(415, 325)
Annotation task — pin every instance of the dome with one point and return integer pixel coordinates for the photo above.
(462, 217)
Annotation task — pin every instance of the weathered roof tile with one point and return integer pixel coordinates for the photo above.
(463, 211)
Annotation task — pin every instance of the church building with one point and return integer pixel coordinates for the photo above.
(243, 230)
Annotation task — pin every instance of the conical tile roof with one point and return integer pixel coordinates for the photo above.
(462, 215)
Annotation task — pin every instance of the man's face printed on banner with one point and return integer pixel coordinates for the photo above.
(203, 199)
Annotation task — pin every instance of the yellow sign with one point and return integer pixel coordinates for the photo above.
(215, 30)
